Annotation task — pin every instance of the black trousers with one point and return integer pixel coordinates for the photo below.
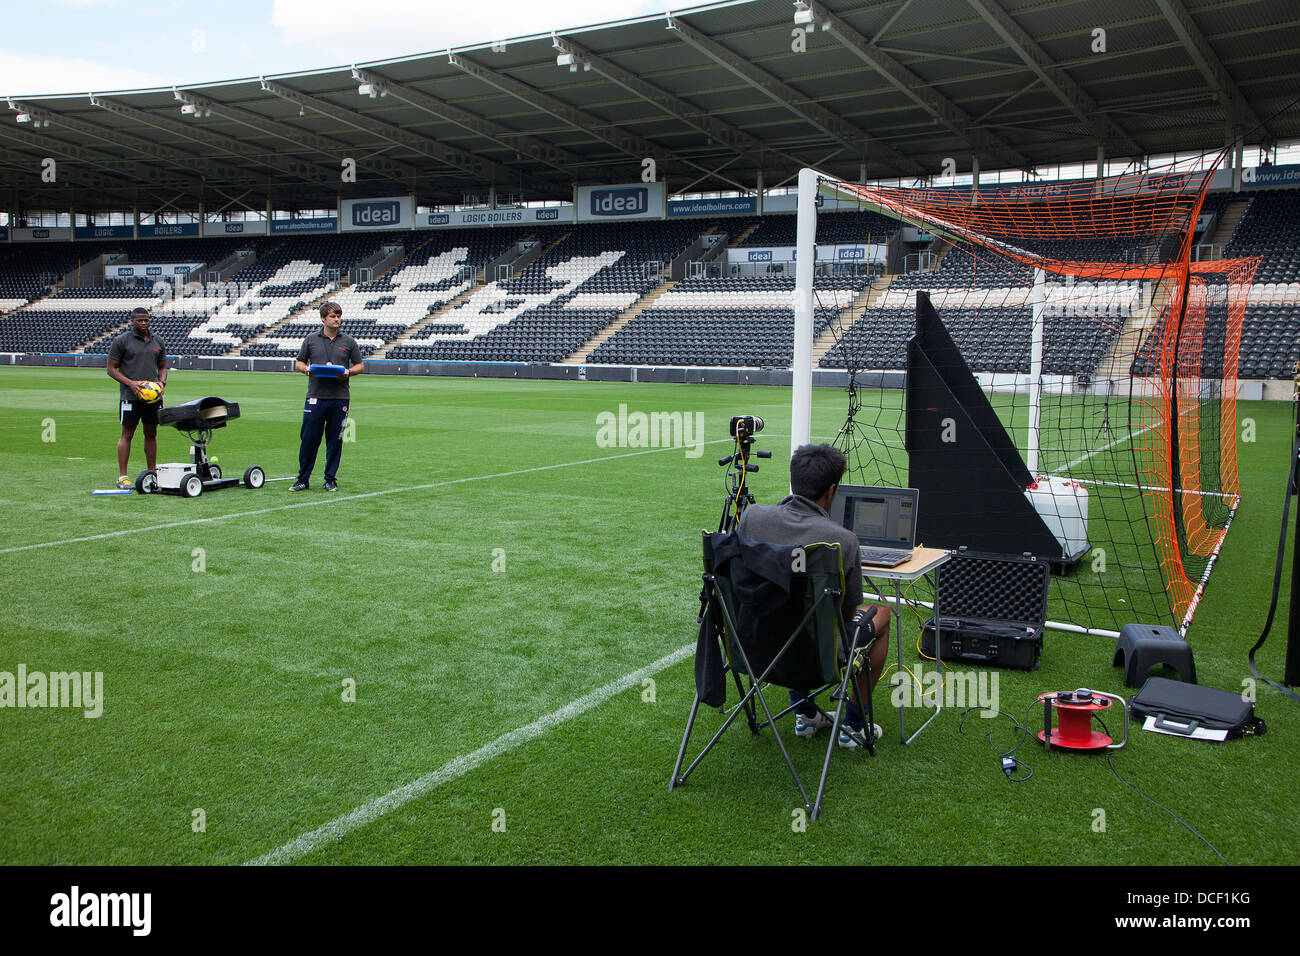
(853, 716)
(326, 417)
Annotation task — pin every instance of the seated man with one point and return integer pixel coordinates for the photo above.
(802, 518)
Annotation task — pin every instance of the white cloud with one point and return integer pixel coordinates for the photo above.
(29, 74)
(350, 31)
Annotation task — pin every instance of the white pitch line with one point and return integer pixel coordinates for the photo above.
(335, 498)
(1118, 441)
(340, 827)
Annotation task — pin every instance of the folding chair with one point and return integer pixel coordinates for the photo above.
(772, 615)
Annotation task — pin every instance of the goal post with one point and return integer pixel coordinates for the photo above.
(804, 263)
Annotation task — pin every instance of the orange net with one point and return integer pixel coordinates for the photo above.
(1117, 254)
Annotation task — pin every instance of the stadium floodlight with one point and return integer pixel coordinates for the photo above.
(803, 14)
(366, 89)
(564, 59)
(24, 117)
(191, 105)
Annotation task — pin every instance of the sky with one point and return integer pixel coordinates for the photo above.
(84, 46)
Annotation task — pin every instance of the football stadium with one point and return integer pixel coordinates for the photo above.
(560, 308)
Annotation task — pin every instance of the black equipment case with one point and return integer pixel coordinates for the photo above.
(1181, 709)
(992, 609)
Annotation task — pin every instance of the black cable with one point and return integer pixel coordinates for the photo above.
(1017, 762)
(1277, 570)
(1164, 808)
(1097, 717)
(1005, 755)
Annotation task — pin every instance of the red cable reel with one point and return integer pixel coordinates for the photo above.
(1074, 710)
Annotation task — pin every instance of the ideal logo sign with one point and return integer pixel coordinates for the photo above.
(234, 227)
(545, 215)
(439, 219)
(853, 252)
(628, 201)
(40, 233)
(153, 270)
(760, 255)
(126, 270)
(383, 212)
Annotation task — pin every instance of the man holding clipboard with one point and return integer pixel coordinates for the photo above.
(329, 358)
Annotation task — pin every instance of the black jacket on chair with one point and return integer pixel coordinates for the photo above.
(770, 599)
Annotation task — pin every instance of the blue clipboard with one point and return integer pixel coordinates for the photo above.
(327, 370)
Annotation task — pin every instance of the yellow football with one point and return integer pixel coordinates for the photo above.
(150, 391)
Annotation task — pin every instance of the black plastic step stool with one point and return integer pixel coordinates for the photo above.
(1141, 646)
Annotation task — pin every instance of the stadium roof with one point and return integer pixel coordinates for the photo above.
(715, 94)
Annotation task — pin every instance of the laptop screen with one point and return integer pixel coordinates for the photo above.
(879, 517)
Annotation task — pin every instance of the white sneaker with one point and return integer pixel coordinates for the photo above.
(808, 726)
(855, 739)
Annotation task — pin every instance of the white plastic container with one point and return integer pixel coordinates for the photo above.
(1063, 505)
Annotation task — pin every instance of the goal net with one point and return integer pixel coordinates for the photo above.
(1057, 374)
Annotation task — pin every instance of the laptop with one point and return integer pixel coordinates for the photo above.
(884, 520)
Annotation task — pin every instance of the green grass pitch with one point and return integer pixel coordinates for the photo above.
(486, 563)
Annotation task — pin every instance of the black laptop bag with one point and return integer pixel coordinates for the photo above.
(1181, 708)
(992, 609)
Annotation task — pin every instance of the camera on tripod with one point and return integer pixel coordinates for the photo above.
(743, 429)
(744, 426)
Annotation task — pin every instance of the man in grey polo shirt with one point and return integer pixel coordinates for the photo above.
(326, 411)
(803, 518)
(137, 356)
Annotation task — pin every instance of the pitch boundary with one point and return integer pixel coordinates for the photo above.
(336, 498)
(341, 826)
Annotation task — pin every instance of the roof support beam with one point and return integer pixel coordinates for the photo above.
(478, 169)
(231, 201)
(310, 172)
(918, 90)
(1056, 79)
(1238, 108)
(594, 126)
(84, 178)
(717, 130)
(890, 22)
(798, 103)
(111, 168)
(522, 143)
(167, 156)
(307, 142)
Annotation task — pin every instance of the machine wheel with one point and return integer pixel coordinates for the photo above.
(214, 471)
(146, 483)
(254, 477)
(192, 486)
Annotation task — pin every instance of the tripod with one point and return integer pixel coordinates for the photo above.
(1104, 427)
(739, 497)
